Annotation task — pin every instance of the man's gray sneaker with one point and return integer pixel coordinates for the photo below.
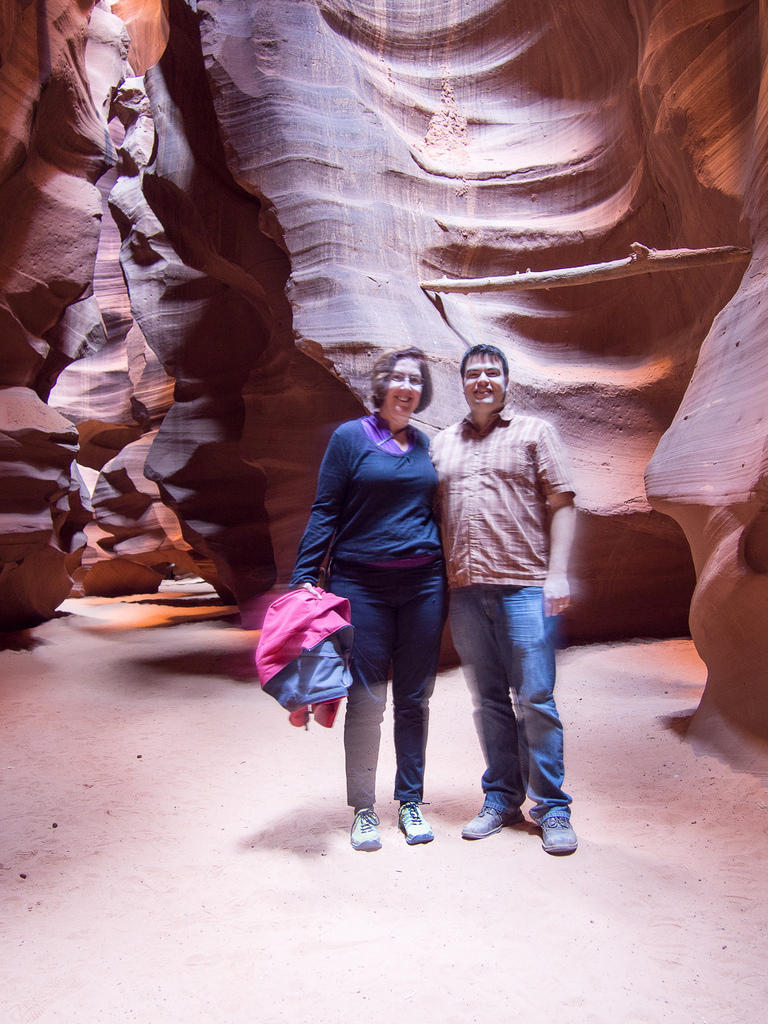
(557, 836)
(365, 833)
(412, 824)
(489, 821)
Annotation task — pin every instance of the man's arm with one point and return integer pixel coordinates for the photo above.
(562, 525)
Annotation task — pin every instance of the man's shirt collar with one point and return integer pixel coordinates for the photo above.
(499, 419)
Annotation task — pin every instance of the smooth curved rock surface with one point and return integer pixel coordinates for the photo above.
(55, 83)
(391, 144)
(207, 291)
(130, 525)
(710, 469)
(37, 550)
(147, 24)
(710, 472)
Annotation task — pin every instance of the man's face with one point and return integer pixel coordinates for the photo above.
(485, 387)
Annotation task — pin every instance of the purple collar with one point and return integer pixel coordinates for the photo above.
(377, 430)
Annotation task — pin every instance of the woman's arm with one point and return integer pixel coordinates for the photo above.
(332, 481)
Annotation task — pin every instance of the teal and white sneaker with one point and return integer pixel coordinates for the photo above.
(365, 833)
(411, 823)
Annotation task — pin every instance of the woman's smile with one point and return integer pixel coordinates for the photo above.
(402, 395)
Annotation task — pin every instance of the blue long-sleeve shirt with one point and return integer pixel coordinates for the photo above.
(378, 504)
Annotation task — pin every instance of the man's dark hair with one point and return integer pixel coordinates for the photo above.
(382, 371)
(485, 350)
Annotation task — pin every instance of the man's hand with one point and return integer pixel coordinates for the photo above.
(557, 594)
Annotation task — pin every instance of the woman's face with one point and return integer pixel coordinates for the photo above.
(403, 393)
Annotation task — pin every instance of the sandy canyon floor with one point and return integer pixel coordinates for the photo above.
(171, 849)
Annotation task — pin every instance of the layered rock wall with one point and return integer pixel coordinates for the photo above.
(54, 146)
(394, 145)
(710, 470)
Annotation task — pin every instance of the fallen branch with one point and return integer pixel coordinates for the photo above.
(642, 261)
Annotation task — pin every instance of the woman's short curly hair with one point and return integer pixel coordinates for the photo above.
(382, 370)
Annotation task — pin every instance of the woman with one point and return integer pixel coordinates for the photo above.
(373, 508)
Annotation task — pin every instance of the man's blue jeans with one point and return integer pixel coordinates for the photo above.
(398, 615)
(507, 649)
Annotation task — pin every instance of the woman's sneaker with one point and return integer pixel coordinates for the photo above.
(365, 833)
(412, 824)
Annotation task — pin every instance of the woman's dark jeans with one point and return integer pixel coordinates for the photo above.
(398, 615)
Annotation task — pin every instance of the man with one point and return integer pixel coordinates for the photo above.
(506, 504)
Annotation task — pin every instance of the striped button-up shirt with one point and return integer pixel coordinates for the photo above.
(493, 498)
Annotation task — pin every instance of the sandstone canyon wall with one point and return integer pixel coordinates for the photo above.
(710, 470)
(214, 216)
(53, 149)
